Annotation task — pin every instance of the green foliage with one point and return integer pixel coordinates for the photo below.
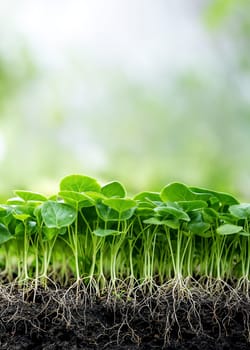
(79, 183)
(114, 189)
(103, 233)
(240, 211)
(96, 232)
(30, 196)
(5, 235)
(228, 229)
(57, 215)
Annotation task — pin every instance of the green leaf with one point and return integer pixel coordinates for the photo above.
(176, 191)
(114, 189)
(120, 204)
(24, 211)
(3, 211)
(227, 218)
(228, 229)
(144, 211)
(52, 232)
(224, 198)
(19, 230)
(30, 196)
(95, 196)
(82, 199)
(106, 232)
(241, 211)
(7, 218)
(192, 205)
(106, 213)
(79, 183)
(58, 215)
(53, 197)
(21, 217)
(5, 235)
(198, 228)
(210, 215)
(173, 223)
(171, 210)
(15, 201)
(154, 221)
(148, 196)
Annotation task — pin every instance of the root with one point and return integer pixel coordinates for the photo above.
(166, 313)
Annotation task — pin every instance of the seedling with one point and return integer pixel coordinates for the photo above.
(99, 235)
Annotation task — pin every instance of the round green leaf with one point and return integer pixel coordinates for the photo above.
(113, 189)
(57, 214)
(79, 183)
(241, 211)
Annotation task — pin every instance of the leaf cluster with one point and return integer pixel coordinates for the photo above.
(94, 232)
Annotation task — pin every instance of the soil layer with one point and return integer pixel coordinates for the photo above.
(70, 320)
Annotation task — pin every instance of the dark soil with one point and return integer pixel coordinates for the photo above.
(56, 319)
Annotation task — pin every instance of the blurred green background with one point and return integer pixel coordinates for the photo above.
(140, 91)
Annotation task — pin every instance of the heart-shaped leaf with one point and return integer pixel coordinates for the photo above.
(58, 215)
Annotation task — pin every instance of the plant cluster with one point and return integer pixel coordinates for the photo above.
(96, 234)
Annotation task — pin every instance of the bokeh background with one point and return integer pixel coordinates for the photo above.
(146, 92)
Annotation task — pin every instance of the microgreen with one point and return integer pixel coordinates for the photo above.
(95, 233)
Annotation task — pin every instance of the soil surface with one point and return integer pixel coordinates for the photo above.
(70, 320)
